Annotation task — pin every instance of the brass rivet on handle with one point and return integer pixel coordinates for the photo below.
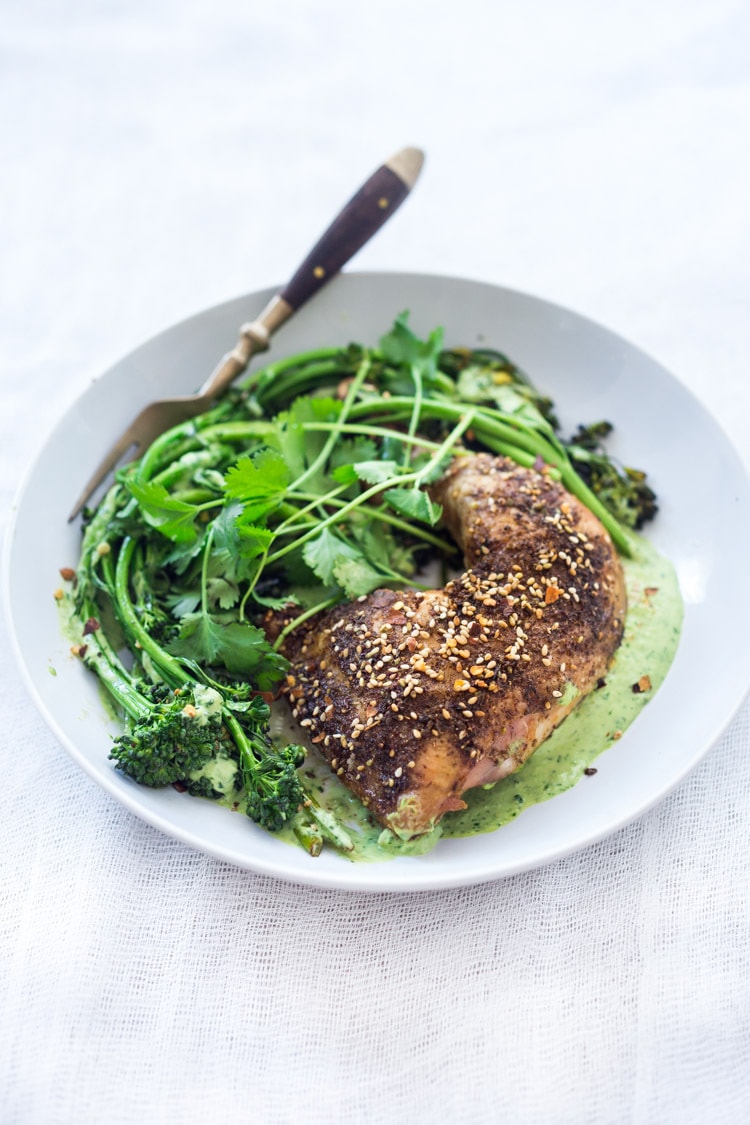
(383, 203)
(319, 272)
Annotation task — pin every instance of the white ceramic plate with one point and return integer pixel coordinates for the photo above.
(591, 373)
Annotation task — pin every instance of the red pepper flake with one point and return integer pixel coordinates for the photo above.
(67, 573)
(551, 595)
(91, 626)
(180, 786)
(590, 771)
(644, 684)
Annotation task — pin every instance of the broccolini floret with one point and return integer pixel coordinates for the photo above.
(624, 490)
(269, 773)
(168, 740)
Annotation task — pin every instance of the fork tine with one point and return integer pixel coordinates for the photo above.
(113, 456)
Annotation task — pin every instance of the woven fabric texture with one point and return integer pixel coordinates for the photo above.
(160, 157)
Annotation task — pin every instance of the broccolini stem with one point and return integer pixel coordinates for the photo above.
(328, 825)
(272, 372)
(170, 669)
(309, 835)
(283, 386)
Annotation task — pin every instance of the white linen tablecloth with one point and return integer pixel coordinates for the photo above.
(159, 157)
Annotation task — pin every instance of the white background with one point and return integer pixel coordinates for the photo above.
(157, 158)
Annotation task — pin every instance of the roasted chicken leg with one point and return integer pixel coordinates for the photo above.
(415, 697)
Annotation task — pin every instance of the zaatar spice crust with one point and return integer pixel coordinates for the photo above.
(415, 697)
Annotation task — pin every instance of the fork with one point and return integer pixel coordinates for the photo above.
(354, 225)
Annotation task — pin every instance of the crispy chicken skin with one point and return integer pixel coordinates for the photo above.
(414, 697)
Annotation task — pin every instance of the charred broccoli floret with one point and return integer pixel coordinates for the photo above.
(269, 773)
(169, 739)
(623, 490)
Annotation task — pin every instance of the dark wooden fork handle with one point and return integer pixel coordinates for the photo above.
(357, 222)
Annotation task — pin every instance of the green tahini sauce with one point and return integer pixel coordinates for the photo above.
(652, 631)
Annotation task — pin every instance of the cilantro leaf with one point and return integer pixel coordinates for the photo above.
(172, 517)
(261, 477)
(372, 472)
(233, 549)
(415, 503)
(213, 639)
(356, 577)
(376, 472)
(288, 440)
(345, 474)
(348, 451)
(414, 359)
(221, 592)
(402, 346)
(187, 602)
(324, 552)
(381, 547)
(252, 540)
